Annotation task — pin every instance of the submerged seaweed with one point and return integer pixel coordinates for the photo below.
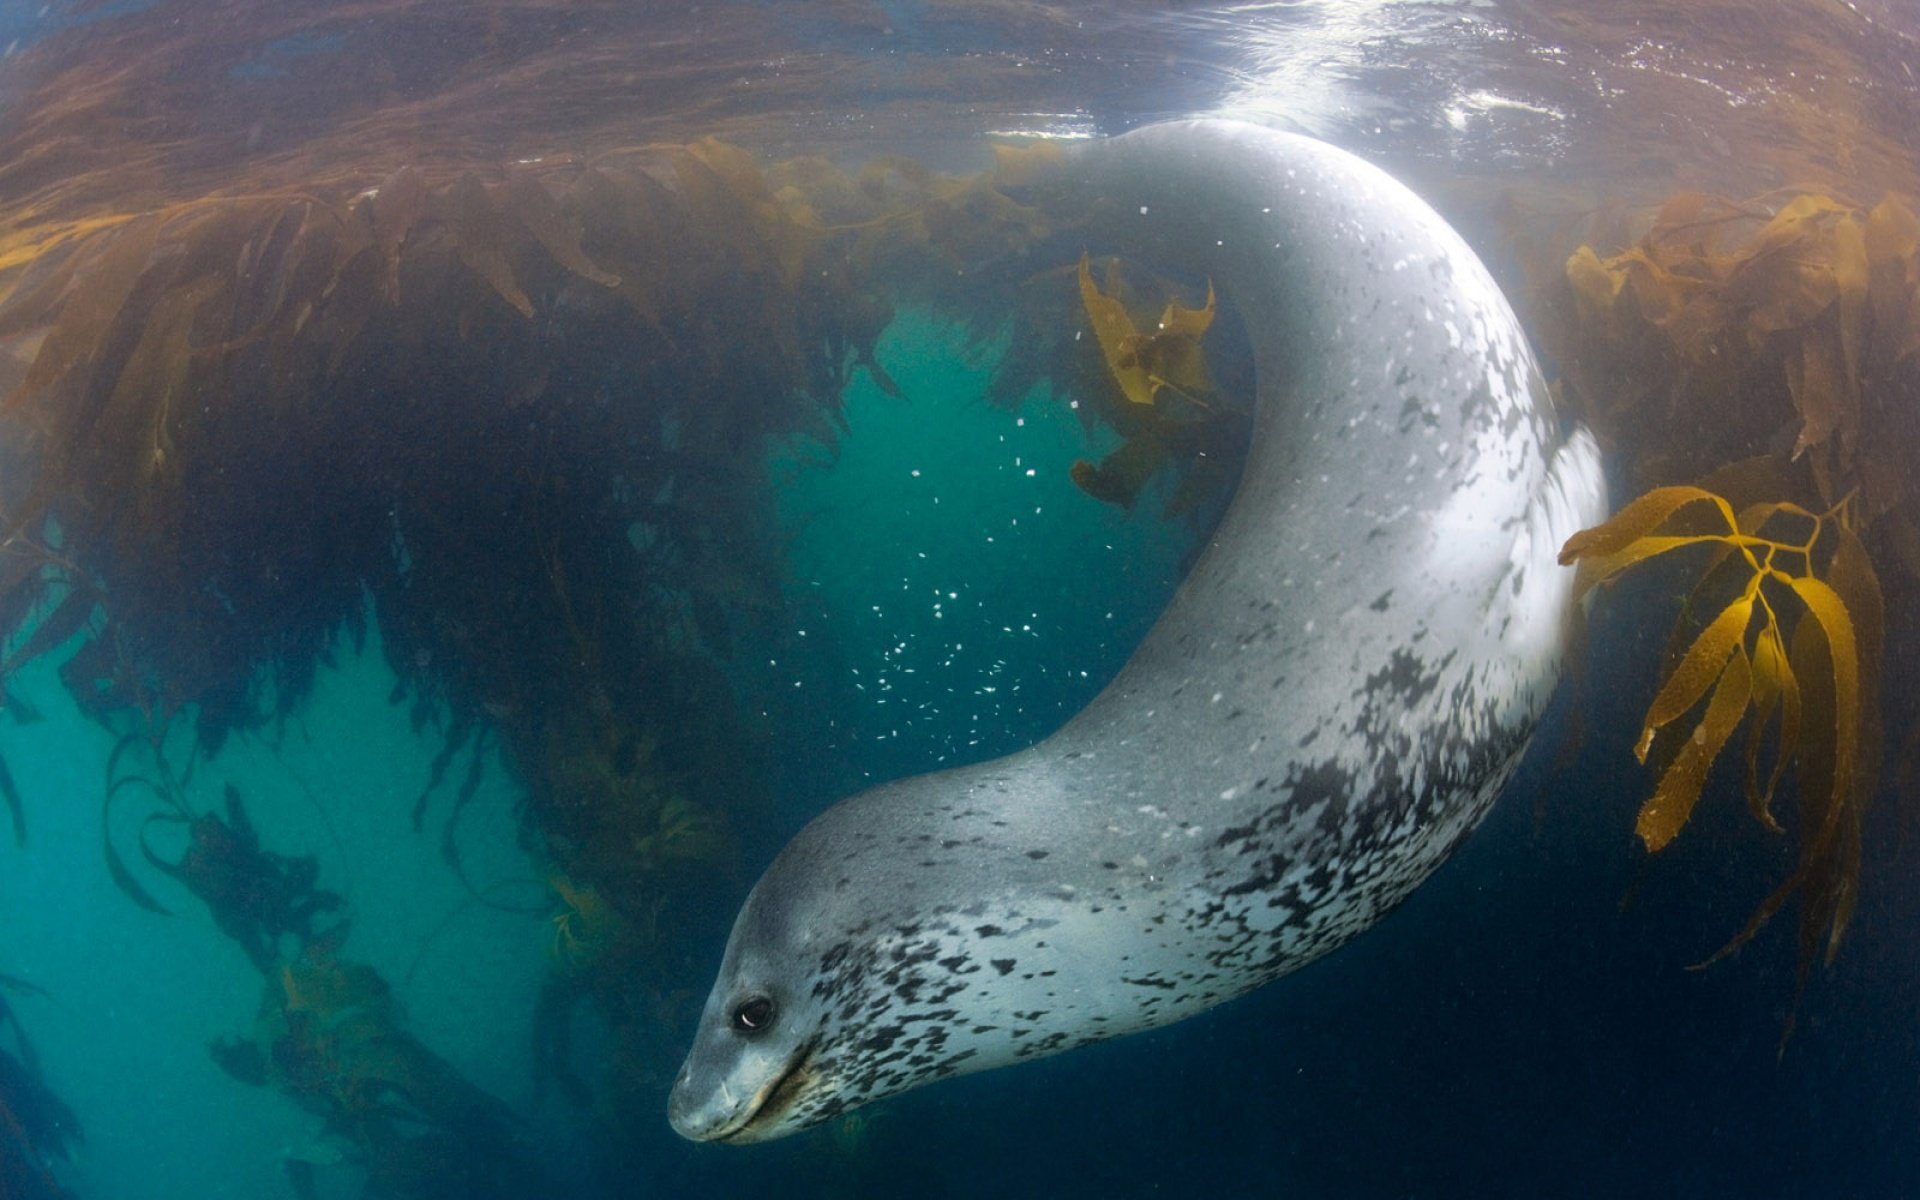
(1786, 326)
(1786, 635)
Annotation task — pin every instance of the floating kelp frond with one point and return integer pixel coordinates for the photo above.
(583, 927)
(1785, 326)
(36, 1126)
(1788, 323)
(1793, 648)
(1168, 359)
(1158, 393)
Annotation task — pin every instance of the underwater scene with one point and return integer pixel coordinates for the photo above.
(603, 600)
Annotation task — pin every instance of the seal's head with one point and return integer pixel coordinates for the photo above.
(844, 976)
(751, 1074)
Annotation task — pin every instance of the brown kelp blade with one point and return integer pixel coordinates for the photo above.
(1799, 644)
(1670, 806)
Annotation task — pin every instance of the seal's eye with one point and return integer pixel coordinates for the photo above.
(753, 1015)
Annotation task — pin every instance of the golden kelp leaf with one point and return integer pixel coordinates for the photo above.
(87, 315)
(1892, 232)
(1639, 518)
(480, 238)
(1852, 276)
(1773, 687)
(1188, 322)
(1607, 549)
(1826, 607)
(1684, 212)
(1738, 317)
(1790, 224)
(1114, 329)
(393, 209)
(790, 241)
(1782, 290)
(1892, 238)
(1705, 661)
(1118, 478)
(20, 249)
(1819, 682)
(155, 376)
(1661, 295)
(1145, 364)
(1820, 388)
(619, 208)
(1592, 281)
(1173, 363)
(1672, 802)
(1596, 571)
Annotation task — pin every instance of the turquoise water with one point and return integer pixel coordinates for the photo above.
(133, 998)
(950, 592)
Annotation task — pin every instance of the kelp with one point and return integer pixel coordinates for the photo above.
(585, 925)
(1784, 631)
(1157, 391)
(16, 808)
(1167, 359)
(1789, 323)
(1786, 327)
(330, 1035)
(246, 416)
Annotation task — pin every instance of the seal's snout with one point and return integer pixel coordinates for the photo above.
(693, 1110)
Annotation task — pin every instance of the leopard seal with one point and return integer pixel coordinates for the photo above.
(1331, 702)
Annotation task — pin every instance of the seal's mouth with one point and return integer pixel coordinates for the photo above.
(775, 1100)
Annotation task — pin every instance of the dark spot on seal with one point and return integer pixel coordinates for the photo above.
(1036, 855)
(1004, 965)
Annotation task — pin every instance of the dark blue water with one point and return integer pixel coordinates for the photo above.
(1526, 1025)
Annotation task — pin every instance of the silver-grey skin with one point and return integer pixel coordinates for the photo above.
(1329, 705)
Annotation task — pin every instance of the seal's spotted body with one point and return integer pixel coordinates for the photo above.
(1332, 701)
